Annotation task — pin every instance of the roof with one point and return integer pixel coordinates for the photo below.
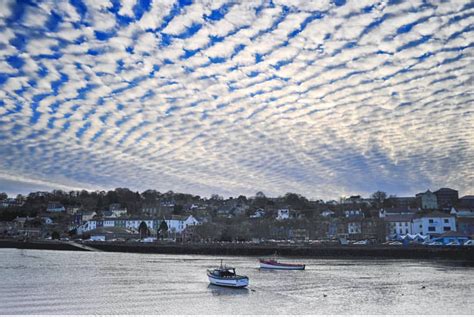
(454, 234)
(435, 214)
(399, 218)
(445, 189)
(399, 210)
(467, 197)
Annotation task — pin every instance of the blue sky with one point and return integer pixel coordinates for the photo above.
(322, 98)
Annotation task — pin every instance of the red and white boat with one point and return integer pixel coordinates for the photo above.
(275, 265)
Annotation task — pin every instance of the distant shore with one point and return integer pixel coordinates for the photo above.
(325, 251)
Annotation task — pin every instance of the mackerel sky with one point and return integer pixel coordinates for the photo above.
(321, 98)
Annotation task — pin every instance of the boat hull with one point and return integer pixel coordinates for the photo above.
(229, 282)
(281, 266)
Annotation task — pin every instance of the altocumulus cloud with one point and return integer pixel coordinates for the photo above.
(323, 98)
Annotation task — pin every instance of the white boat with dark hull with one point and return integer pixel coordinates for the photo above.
(226, 276)
(273, 264)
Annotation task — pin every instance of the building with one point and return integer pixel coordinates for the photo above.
(452, 237)
(433, 224)
(465, 225)
(395, 212)
(327, 213)
(11, 202)
(403, 202)
(259, 213)
(283, 214)
(466, 202)
(447, 197)
(353, 214)
(398, 225)
(54, 206)
(427, 200)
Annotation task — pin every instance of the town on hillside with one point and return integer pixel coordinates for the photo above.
(430, 218)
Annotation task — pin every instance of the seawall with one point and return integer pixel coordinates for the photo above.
(320, 251)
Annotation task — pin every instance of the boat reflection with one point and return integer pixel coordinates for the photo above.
(227, 291)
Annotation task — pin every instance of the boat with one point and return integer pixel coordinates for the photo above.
(275, 265)
(226, 276)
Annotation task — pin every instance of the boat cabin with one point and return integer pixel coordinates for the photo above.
(224, 272)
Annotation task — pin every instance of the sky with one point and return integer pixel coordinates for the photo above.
(321, 98)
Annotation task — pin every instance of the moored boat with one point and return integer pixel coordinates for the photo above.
(275, 265)
(226, 276)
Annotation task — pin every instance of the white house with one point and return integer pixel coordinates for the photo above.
(462, 212)
(109, 223)
(176, 224)
(283, 214)
(434, 223)
(54, 206)
(259, 213)
(398, 225)
(328, 213)
(354, 227)
(191, 221)
(88, 215)
(353, 213)
(47, 220)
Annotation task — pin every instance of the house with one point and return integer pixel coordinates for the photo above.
(81, 217)
(466, 202)
(116, 210)
(452, 237)
(283, 214)
(176, 223)
(20, 221)
(259, 213)
(446, 197)
(354, 228)
(403, 202)
(465, 225)
(327, 213)
(395, 212)
(432, 224)
(398, 225)
(427, 200)
(54, 206)
(71, 210)
(47, 220)
(115, 213)
(353, 214)
(462, 212)
(11, 202)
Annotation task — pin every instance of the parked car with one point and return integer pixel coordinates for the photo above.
(469, 243)
(361, 242)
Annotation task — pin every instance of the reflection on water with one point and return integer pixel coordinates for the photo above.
(227, 291)
(65, 282)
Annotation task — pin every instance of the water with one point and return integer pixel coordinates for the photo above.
(64, 282)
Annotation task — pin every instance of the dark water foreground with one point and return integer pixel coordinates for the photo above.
(396, 252)
(64, 282)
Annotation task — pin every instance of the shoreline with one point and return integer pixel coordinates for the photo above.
(320, 251)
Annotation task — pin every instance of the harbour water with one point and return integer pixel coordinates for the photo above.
(66, 282)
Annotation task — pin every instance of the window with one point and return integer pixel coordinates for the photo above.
(431, 221)
(431, 229)
(447, 228)
(446, 220)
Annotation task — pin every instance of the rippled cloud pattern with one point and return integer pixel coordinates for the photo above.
(323, 98)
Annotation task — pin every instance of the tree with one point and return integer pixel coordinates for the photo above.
(3, 196)
(177, 209)
(55, 235)
(143, 230)
(162, 229)
(379, 197)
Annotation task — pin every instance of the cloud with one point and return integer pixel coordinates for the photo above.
(315, 97)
